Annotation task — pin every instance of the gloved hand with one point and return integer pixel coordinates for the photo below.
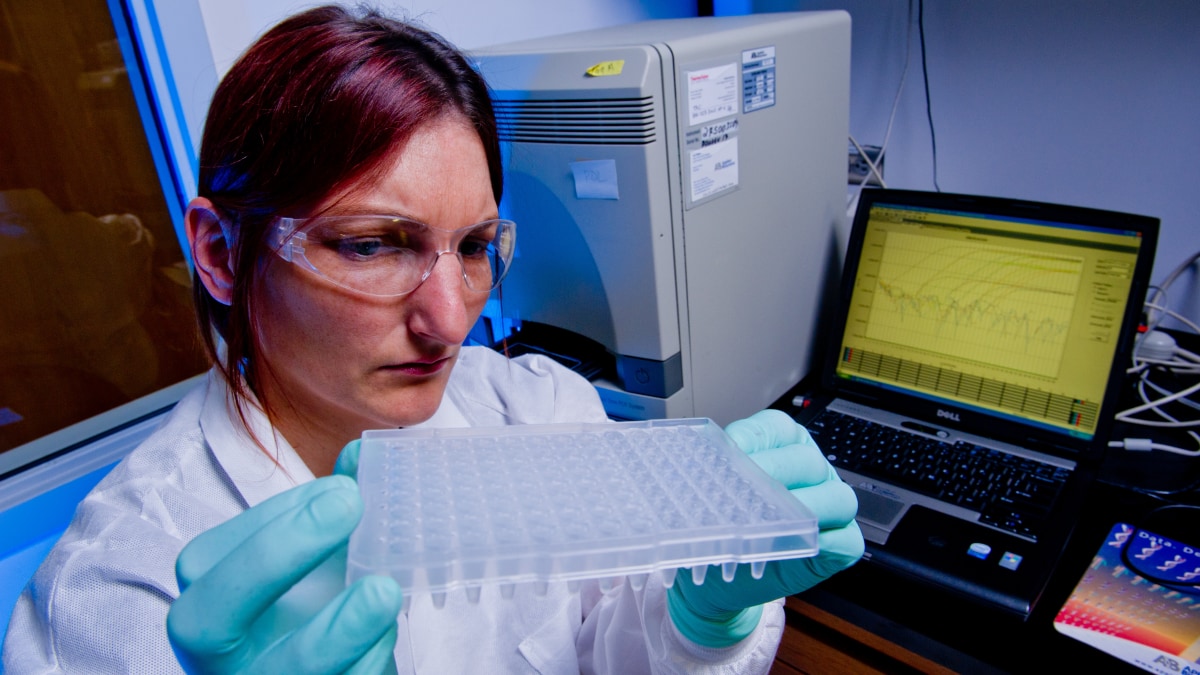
(265, 591)
(718, 613)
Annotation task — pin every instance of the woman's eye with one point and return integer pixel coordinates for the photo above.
(363, 248)
(473, 248)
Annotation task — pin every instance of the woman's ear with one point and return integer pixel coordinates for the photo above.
(212, 250)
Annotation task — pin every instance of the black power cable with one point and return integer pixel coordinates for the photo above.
(928, 107)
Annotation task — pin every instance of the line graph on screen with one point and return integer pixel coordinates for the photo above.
(982, 302)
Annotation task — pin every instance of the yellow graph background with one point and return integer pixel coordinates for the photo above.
(984, 303)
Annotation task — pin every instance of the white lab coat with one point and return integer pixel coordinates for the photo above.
(98, 603)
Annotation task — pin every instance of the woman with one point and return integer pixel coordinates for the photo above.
(345, 238)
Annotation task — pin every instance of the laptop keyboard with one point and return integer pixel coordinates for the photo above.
(1010, 492)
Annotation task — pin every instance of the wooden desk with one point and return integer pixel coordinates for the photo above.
(818, 642)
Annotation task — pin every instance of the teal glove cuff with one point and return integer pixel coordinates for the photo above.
(724, 630)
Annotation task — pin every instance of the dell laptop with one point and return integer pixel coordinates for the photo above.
(971, 376)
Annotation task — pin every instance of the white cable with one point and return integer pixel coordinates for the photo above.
(1173, 364)
(1161, 424)
(1191, 356)
(895, 106)
(1171, 422)
(1176, 366)
(1145, 445)
(887, 134)
(1174, 274)
(1156, 348)
(1154, 294)
(1180, 369)
(1162, 353)
(1163, 391)
(1160, 290)
(1166, 399)
(1175, 315)
(867, 158)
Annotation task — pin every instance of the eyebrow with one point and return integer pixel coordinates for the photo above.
(423, 224)
(338, 211)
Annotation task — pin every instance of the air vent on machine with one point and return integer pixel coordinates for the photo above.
(617, 121)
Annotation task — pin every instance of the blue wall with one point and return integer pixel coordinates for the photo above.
(1088, 102)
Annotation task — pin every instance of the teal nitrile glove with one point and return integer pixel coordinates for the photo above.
(265, 591)
(718, 613)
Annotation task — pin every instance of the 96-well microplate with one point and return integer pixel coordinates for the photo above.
(462, 508)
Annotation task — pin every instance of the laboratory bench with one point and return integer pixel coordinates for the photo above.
(869, 619)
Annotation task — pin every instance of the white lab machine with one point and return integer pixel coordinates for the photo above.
(678, 187)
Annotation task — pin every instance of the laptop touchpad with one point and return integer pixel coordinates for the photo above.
(878, 510)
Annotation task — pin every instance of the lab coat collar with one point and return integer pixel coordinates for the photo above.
(256, 475)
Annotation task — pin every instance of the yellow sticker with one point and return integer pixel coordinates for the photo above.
(605, 68)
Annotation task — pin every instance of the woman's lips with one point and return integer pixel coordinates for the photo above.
(421, 368)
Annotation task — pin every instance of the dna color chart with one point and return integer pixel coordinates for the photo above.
(1154, 626)
(1009, 309)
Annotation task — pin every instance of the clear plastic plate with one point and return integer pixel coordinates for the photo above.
(450, 509)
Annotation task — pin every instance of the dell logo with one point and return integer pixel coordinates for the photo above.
(946, 414)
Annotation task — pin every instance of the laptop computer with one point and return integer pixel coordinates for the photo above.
(970, 379)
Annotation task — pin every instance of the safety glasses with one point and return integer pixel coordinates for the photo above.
(387, 256)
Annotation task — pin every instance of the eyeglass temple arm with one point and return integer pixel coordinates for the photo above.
(289, 246)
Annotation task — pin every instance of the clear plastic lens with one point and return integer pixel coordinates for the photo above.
(387, 256)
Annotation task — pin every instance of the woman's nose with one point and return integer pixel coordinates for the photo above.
(440, 310)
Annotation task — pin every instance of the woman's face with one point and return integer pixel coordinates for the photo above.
(342, 362)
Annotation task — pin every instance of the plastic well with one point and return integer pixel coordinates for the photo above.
(450, 509)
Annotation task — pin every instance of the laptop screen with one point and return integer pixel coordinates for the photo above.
(1014, 315)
